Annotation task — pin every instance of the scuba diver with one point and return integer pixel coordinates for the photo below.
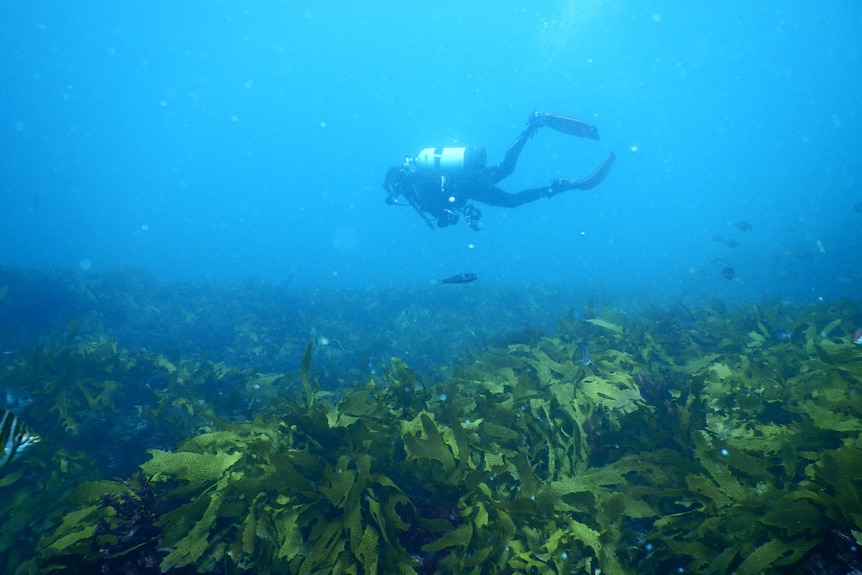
(440, 182)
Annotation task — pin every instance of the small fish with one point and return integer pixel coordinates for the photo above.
(585, 353)
(728, 273)
(459, 279)
(15, 437)
(14, 400)
(857, 336)
(782, 335)
(743, 226)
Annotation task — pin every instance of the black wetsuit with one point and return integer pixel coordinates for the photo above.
(440, 198)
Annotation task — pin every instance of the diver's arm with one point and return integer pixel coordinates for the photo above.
(402, 183)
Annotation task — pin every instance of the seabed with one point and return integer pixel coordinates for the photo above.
(263, 429)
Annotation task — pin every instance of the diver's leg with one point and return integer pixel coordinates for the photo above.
(505, 168)
(592, 181)
(494, 196)
(566, 125)
(571, 126)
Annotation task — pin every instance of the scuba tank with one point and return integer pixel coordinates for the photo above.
(450, 160)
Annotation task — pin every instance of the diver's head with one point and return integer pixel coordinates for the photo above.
(394, 183)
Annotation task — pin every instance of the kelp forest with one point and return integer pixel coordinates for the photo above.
(268, 430)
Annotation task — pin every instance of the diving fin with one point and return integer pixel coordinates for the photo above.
(567, 125)
(587, 183)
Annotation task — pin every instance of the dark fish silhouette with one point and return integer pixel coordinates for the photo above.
(459, 279)
(728, 273)
(585, 353)
(782, 335)
(743, 226)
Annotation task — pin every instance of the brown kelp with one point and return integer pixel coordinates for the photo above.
(692, 440)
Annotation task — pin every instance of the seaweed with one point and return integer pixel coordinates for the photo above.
(694, 440)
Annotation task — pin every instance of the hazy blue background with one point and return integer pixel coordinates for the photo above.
(233, 140)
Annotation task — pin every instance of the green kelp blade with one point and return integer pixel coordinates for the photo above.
(755, 340)
(774, 552)
(499, 432)
(607, 325)
(728, 484)
(703, 557)
(11, 477)
(429, 445)
(338, 486)
(789, 458)
(829, 327)
(308, 390)
(460, 537)
(548, 364)
(844, 356)
(353, 529)
(696, 364)
(366, 552)
(459, 435)
(328, 542)
(589, 537)
(248, 531)
(701, 485)
(831, 420)
(198, 469)
(590, 481)
(377, 514)
(743, 462)
(626, 504)
(795, 516)
(360, 403)
(403, 377)
(840, 466)
(191, 547)
(616, 395)
(289, 534)
(721, 372)
(77, 526)
(219, 440)
(842, 469)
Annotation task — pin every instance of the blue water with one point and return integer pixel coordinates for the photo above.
(223, 141)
